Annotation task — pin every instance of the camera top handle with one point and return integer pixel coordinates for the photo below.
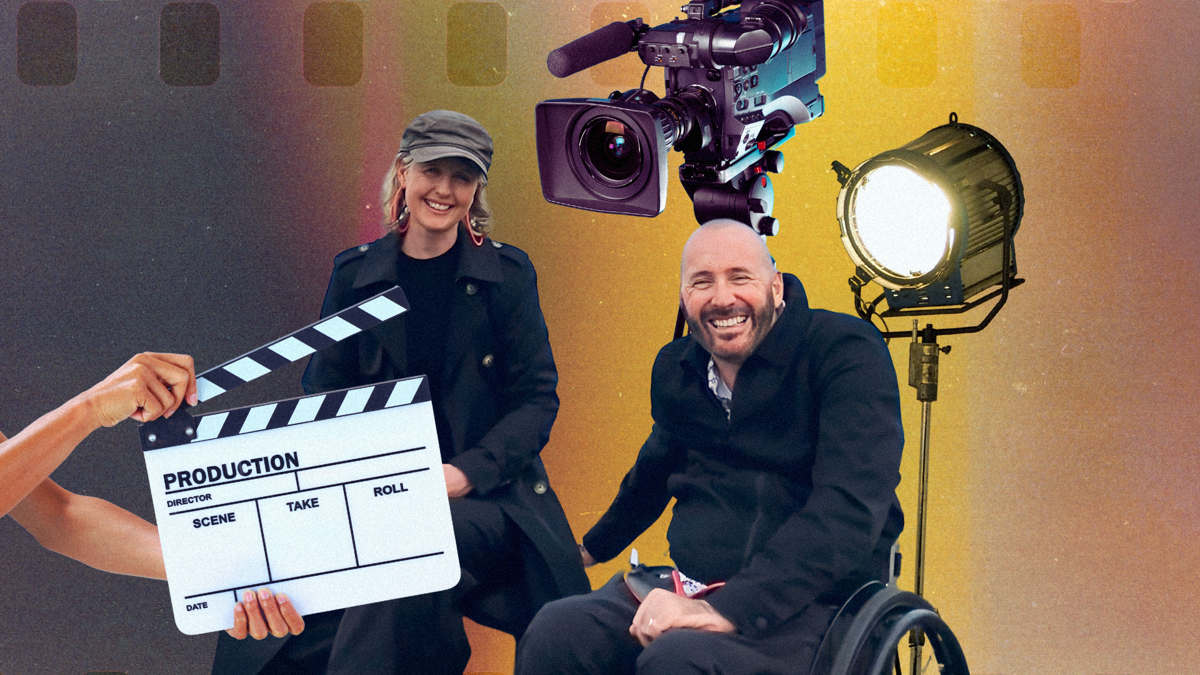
(766, 28)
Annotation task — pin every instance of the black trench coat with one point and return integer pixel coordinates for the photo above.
(498, 399)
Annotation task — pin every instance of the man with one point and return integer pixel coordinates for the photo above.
(777, 430)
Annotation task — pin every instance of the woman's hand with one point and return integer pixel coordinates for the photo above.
(263, 613)
(457, 483)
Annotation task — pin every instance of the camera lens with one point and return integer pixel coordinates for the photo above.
(610, 151)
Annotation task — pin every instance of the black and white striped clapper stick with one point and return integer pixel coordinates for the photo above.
(181, 427)
(324, 333)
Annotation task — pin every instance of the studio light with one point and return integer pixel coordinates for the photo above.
(932, 221)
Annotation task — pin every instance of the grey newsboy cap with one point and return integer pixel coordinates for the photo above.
(445, 133)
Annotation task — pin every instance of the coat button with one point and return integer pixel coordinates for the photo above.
(488, 360)
(472, 289)
(540, 487)
(363, 248)
(497, 244)
(761, 623)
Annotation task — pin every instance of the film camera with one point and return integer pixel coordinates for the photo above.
(737, 83)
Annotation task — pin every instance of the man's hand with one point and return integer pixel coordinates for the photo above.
(280, 615)
(663, 610)
(457, 483)
(148, 386)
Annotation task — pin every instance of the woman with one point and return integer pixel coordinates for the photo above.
(475, 329)
(96, 532)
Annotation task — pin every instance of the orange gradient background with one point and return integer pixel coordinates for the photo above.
(1064, 509)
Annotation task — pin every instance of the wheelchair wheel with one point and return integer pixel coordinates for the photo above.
(864, 636)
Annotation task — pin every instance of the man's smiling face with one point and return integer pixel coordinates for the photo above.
(729, 290)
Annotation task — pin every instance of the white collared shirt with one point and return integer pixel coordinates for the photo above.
(718, 386)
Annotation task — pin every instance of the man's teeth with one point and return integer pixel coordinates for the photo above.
(726, 323)
(437, 207)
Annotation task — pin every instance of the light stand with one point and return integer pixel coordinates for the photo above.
(923, 376)
(923, 360)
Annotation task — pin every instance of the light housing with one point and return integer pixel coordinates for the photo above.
(933, 220)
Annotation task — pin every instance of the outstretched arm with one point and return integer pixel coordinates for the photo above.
(148, 386)
(640, 501)
(96, 532)
(92, 531)
(109, 538)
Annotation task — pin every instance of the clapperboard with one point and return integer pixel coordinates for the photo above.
(336, 499)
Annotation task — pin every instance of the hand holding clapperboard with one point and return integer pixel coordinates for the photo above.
(336, 499)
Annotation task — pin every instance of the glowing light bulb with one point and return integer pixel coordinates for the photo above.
(901, 221)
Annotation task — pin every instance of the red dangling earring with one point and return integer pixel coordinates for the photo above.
(476, 237)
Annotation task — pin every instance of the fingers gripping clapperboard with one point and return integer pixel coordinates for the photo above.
(336, 499)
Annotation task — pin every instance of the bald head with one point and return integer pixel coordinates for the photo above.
(727, 238)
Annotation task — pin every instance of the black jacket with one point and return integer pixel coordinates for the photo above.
(791, 499)
(499, 402)
(498, 387)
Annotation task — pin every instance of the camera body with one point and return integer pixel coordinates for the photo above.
(737, 83)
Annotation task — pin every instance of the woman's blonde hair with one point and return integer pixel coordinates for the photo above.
(395, 213)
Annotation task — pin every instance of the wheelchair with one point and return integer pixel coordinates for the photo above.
(864, 636)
